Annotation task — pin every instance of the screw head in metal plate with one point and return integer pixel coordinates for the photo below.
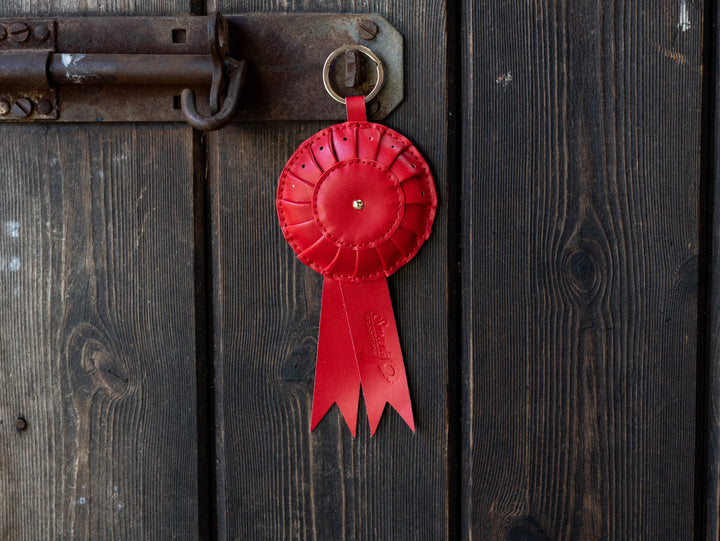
(4, 108)
(22, 107)
(41, 32)
(367, 29)
(44, 107)
(19, 32)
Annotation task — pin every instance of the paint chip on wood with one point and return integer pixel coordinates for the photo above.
(12, 229)
(684, 23)
(10, 264)
(505, 79)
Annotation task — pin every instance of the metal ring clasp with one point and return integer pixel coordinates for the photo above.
(367, 52)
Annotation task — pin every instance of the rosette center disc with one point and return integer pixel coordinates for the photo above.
(348, 223)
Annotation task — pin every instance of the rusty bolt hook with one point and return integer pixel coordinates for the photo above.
(229, 107)
(223, 64)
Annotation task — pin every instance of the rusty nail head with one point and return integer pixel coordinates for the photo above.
(44, 107)
(4, 108)
(3, 32)
(19, 32)
(22, 107)
(367, 29)
(41, 32)
(20, 424)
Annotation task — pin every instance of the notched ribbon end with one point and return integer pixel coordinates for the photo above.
(348, 410)
(375, 414)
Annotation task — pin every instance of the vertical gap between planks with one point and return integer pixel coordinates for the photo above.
(454, 289)
(204, 364)
(198, 7)
(205, 355)
(707, 374)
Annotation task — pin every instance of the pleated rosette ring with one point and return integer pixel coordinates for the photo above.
(355, 202)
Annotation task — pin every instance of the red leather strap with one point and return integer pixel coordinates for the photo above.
(356, 108)
(369, 313)
(359, 345)
(336, 373)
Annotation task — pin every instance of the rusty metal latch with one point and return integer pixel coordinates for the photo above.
(43, 70)
(208, 71)
(224, 98)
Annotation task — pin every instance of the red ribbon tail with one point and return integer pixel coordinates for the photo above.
(336, 374)
(375, 340)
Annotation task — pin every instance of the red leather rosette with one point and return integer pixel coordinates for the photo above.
(355, 202)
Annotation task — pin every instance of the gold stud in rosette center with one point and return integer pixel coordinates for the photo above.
(376, 198)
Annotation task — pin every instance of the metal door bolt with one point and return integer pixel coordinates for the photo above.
(93, 73)
(19, 32)
(22, 107)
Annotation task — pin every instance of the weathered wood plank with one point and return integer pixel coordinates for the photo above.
(580, 210)
(276, 479)
(96, 333)
(709, 376)
(35, 8)
(97, 330)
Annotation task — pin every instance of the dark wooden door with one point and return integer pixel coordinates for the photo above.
(158, 336)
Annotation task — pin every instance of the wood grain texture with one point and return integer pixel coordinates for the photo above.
(96, 334)
(35, 8)
(580, 213)
(709, 377)
(277, 480)
(97, 337)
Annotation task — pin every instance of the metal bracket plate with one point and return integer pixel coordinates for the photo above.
(285, 55)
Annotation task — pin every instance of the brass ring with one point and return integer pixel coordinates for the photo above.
(367, 52)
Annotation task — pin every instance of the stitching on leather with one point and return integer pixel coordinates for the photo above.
(430, 209)
(400, 207)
